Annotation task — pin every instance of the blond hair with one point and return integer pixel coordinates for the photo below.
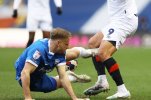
(59, 33)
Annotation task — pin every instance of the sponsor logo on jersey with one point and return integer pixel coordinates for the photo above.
(36, 55)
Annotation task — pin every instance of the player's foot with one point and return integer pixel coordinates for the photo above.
(80, 78)
(97, 88)
(94, 51)
(90, 53)
(120, 95)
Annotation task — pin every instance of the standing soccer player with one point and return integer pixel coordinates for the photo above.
(123, 23)
(38, 15)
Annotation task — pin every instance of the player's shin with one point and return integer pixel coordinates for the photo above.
(114, 71)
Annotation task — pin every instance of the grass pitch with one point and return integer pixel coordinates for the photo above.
(135, 66)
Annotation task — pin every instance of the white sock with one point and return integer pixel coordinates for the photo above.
(71, 78)
(102, 78)
(121, 88)
(87, 52)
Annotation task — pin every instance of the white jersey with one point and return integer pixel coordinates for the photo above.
(117, 8)
(38, 13)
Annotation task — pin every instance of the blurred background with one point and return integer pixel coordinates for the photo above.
(82, 17)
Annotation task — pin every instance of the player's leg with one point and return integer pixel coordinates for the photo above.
(32, 25)
(111, 42)
(46, 26)
(73, 77)
(100, 68)
(42, 83)
(76, 52)
(30, 39)
(46, 34)
(112, 65)
(113, 69)
(101, 84)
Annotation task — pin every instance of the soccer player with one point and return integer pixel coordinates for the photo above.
(43, 56)
(123, 23)
(38, 16)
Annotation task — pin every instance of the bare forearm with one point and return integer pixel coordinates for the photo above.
(25, 78)
(67, 86)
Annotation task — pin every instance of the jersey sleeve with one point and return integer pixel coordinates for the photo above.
(33, 57)
(61, 61)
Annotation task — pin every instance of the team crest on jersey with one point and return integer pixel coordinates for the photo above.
(57, 61)
(36, 54)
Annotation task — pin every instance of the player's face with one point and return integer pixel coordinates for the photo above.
(63, 45)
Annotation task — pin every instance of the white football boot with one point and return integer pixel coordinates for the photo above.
(120, 95)
(82, 78)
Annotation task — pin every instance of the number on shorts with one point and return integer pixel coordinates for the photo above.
(111, 30)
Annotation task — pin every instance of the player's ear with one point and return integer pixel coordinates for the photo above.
(58, 42)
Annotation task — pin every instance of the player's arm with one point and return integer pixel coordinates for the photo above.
(25, 78)
(15, 8)
(58, 4)
(65, 81)
(76, 52)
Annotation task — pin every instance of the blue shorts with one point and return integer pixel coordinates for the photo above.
(43, 84)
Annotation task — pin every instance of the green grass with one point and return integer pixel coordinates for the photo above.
(135, 65)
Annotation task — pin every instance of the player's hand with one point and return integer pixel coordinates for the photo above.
(15, 13)
(59, 10)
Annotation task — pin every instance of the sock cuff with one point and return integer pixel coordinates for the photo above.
(97, 58)
(110, 61)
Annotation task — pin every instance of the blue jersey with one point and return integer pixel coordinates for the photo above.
(39, 55)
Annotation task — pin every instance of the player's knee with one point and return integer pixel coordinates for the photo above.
(103, 55)
(93, 43)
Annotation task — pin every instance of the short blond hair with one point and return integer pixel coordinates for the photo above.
(59, 33)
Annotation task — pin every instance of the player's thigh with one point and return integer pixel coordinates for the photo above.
(44, 84)
(32, 23)
(95, 40)
(46, 25)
